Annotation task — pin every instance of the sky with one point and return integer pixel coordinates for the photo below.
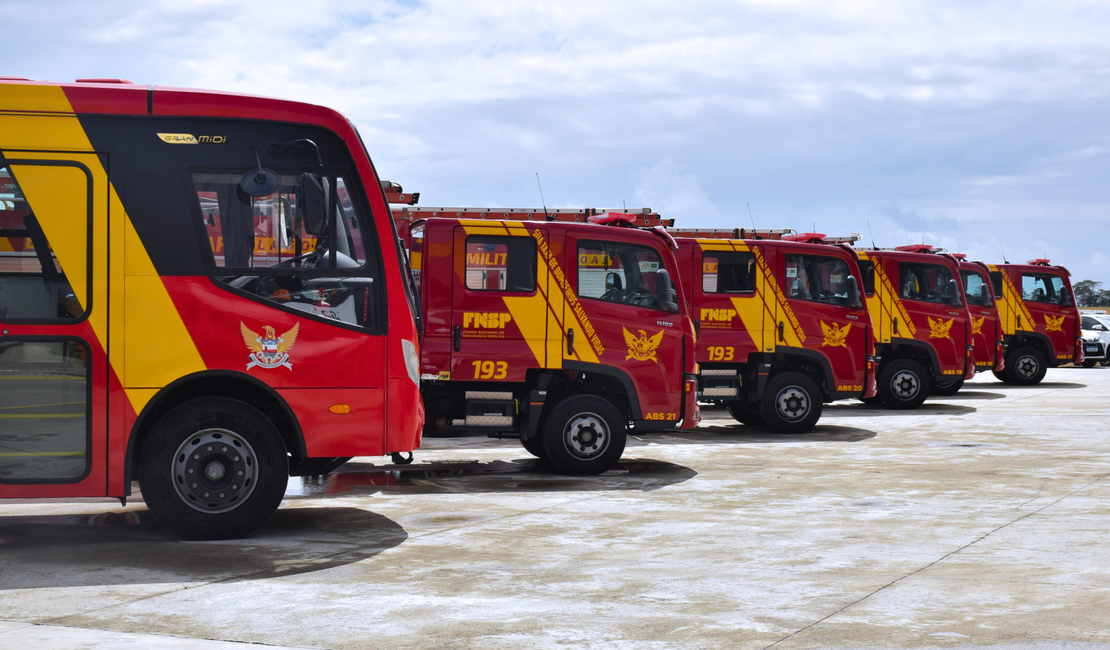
(975, 125)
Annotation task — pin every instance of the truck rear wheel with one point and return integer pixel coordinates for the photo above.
(903, 384)
(1026, 366)
(792, 403)
(213, 468)
(744, 413)
(534, 446)
(584, 435)
(946, 387)
(1001, 376)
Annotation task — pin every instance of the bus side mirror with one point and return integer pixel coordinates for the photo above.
(853, 293)
(985, 294)
(313, 197)
(666, 291)
(954, 290)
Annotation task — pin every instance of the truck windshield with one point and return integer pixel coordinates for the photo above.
(928, 283)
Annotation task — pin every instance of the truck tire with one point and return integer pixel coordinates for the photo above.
(946, 387)
(1001, 376)
(744, 413)
(213, 468)
(584, 435)
(1090, 364)
(904, 384)
(1026, 366)
(534, 446)
(792, 403)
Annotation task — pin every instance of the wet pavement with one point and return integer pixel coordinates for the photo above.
(978, 520)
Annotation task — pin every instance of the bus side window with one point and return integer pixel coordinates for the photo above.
(33, 280)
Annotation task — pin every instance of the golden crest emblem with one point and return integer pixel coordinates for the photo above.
(977, 324)
(1053, 323)
(642, 348)
(835, 335)
(269, 350)
(940, 328)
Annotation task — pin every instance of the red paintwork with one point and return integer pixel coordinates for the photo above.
(1065, 341)
(359, 433)
(988, 346)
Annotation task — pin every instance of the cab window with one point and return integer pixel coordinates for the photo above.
(265, 246)
(1044, 288)
(867, 270)
(501, 264)
(927, 283)
(977, 289)
(619, 273)
(34, 285)
(818, 278)
(727, 272)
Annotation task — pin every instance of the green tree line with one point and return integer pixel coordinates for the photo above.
(1089, 293)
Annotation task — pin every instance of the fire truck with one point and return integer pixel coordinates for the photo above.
(989, 345)
(781, 323)
(1040, 320)
(922, 323)
(565, 333)
(202, 291)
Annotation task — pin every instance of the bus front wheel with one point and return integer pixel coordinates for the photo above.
(213, 468)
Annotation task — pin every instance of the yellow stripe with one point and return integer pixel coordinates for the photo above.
(38, 416)
(25, 454)
(39, 406)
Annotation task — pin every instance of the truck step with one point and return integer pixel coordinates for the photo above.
(718, 383)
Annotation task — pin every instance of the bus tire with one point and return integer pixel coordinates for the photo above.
(946, 387)
(213, 468)
(904, 384)
(792, 403)
(534, 446)
(1026, 366)
(744, 413)
(584, 435)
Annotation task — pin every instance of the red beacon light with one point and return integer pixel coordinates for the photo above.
(806, 237)
(960, 256)
(1040, 261)
(915, 248)
(618, 219)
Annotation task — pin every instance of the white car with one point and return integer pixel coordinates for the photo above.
(1096, 339)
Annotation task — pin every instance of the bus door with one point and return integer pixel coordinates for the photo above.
(613, 320)
(53, 325)
(817, 301)
(499, 309)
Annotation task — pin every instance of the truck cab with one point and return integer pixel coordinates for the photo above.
(1040, 320)
(922, 323)
(989, 351)
(564, 335)
(782, 326)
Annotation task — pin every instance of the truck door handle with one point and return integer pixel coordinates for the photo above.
(896, 325)
(570, 340)
(782, 330)
(697, 327)
(1019, 322)
(458, 337)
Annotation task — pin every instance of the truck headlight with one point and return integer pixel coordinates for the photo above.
(412, 360)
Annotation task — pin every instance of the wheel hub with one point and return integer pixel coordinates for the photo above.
(586, 436)
(905, 385)
(792, 403)
(214, 470)
(1026, 367)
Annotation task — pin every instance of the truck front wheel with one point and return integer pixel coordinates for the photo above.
(792, 403)
(534, 446)
(213, 468)
(946, 387)
(1026, 366)
(744, 413)
(584, 435)
(903, 384)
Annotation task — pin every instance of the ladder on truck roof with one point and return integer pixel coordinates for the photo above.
(731, 233)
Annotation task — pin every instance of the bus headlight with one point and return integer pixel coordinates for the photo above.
(412, 360)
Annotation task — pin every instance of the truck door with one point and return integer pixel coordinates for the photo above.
(53, 325)
(729, 309)
(613, 321)
(499, 310)
(816, 308)
(1052, 309)
(936, 305)
(985, 328)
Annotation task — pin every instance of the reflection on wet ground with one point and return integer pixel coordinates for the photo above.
(859, 409)
(1048, 384)
(972, 394)
(735, 433)
(522, 475)
(131, 548)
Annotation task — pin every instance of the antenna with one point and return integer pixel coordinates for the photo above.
(750, 215)
(907, 235)
(1004, 260)
(546, 216)
(624, 205)
(871, 233)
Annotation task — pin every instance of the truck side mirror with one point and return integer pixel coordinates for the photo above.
(313, 197)
(666, 291)
(954, 291)
(853, 293)
(985, 295)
